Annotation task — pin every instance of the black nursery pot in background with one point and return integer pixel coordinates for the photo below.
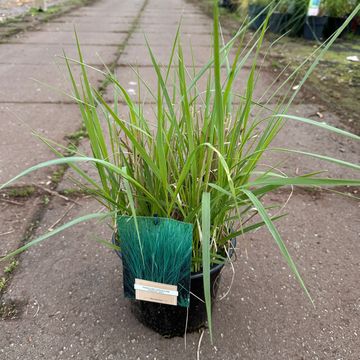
(254, 11)
(333, 24)
(231, 5)
(355, 25)
(314, 27)
(278, 23)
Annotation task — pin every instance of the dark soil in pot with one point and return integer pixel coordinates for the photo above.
(314, 27)
(170, 321)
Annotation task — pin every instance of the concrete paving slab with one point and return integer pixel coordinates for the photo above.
(85, 27)
(35, 103)
(110, 8)
(66, 38)
(172, 6)
(99, 18)
(186, 29)
(151, 15)
(167, 19)
(28, 54)
(167, 39)
(20, 149)
(138, 55)
(15, 215)
(18, 84)
(123, 13)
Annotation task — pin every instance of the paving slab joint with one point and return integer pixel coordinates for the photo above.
(7, 310)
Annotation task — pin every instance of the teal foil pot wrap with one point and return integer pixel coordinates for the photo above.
(158, 250)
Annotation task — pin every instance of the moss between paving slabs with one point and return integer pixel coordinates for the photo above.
(9, 310)
(21, 191)
(8, 270)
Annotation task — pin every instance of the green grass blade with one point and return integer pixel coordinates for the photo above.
(302, 181)
(321, 157)
(75, 159)
(206, 238)
(133, 211)
(318, 124)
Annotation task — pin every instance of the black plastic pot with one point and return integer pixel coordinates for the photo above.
(170, 321)
(333, 24)
(355, 25)
(278, 23)
(296, 18)
(254, 11)
(314, 27)
(295, 25)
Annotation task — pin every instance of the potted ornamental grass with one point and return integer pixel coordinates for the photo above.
(182, 188)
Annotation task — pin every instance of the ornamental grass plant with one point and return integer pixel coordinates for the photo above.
(199, 162)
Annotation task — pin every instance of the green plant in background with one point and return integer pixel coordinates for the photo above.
(298, 11)
(295, 6)
(198, 162)
(260, 2)
(338, 8)
(281, 6)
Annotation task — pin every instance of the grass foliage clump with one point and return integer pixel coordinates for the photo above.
(199, 161)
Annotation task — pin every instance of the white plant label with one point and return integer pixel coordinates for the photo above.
(155, 292)
(314, 7)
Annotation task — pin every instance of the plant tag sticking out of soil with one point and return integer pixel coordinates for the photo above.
(156, 254)
(155, 292)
